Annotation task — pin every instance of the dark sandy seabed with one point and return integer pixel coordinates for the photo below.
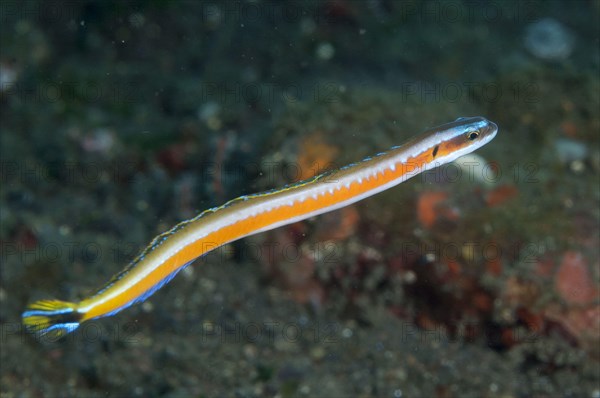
(119, 120)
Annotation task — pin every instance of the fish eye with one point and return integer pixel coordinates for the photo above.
(472, 135)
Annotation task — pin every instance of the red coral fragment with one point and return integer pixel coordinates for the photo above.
(500, 195)
(573, 281)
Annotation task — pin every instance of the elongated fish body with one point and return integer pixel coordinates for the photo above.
(173, 250)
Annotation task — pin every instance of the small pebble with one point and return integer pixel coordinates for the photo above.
(549, 40)
(475, 168)
(8, 76)
(325, 51)
(317, 353)
(569, 151)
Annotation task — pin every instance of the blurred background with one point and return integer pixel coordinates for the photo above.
(481, 278)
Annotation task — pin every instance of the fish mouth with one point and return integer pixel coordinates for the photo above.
(490, 130)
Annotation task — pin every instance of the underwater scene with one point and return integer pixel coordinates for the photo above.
(378, 198)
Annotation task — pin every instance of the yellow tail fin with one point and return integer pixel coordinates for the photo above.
(51, 316)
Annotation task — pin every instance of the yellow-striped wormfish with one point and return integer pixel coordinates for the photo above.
(173, 250)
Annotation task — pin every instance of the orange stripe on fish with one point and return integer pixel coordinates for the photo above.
(171, 251)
